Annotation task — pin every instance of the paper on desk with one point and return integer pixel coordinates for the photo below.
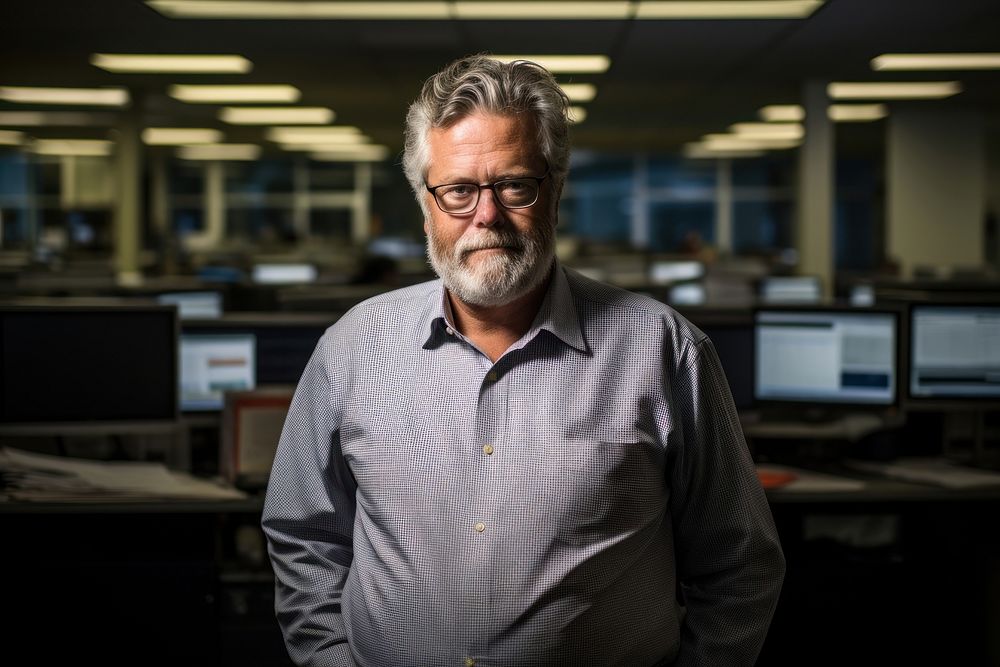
(936, 471)
(807, 481)
(31, 476)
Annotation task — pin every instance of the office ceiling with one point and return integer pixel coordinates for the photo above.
(669, 81)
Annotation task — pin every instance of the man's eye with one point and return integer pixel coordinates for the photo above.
(461, 190)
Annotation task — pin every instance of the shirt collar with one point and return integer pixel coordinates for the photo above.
(557, 314)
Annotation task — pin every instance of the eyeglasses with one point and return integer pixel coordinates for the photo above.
(510, 193)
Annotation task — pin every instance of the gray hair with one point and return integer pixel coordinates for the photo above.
(483, 84)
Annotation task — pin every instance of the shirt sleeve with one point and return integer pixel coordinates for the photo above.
(729, 561)
(308, 517)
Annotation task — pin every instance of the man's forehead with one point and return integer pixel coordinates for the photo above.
(486, 136)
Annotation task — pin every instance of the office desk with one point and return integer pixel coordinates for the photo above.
(891, 573)
(158, 583)
(139, 583)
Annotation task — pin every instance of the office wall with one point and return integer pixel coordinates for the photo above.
(936, 188)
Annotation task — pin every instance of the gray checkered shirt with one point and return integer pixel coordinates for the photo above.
(588, 499)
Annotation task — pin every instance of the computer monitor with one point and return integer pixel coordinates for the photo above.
(283, 342)
(284, 274)
(666, 272)
(67, 366)
(790, 289)
(212, 364)
(686, 294)
(733, 342)
(826, 356)
(194, 305)
(954, 353)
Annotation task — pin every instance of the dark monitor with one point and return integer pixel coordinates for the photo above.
(826, 356)
(790, 289)
(194, 305)
(89, 365)
(212, 364)
(733, 343)
(954, 353)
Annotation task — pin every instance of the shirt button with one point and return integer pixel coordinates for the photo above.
(480, 527)
(487, 449)
(469, 662)
(449, 331)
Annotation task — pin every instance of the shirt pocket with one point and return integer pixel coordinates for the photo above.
(600, 488)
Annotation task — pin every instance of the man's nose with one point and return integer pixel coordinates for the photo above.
(488, 212)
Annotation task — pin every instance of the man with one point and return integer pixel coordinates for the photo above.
(513, 465)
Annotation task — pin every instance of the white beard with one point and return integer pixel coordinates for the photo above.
(500, 278)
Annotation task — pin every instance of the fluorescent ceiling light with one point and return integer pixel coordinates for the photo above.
(697, 150)
(294, 9)
(179, 136)
(234, 94)
(45, 118)
(846, 113)
(780, 113)
(936, 61)
(577, 114)
(579, 92)
(276, 115)
(291, 135)
(565, 64)
(371, 153)
(521, 11)
(11, 138)
(200, 64)
(516, 10)
(893, 90)
(768, 130)
(728, 9)
(734, 142)
(111, 97)
(343, 143)
(72, 147)
(219, 152)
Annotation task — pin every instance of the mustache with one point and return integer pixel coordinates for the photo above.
(488, 240)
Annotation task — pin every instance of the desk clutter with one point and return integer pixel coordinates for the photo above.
(31, 477)
(930, 470)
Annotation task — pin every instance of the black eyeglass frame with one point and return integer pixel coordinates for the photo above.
(492, 187)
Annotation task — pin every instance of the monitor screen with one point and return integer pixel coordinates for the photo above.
(83, 364)
(282, 349)
(671, 271)
(284, 274)
(790, 289)
(213, 364)
(825, 356)
(686, 294)
(955, 351)
(194, 305)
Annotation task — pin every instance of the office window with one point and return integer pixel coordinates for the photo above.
(330, 223)
(760, 227)
(597, 203)
(331, 176)
(267, 225)
(677, 226)
(689, 175)
(859, 221)
(261, 177)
